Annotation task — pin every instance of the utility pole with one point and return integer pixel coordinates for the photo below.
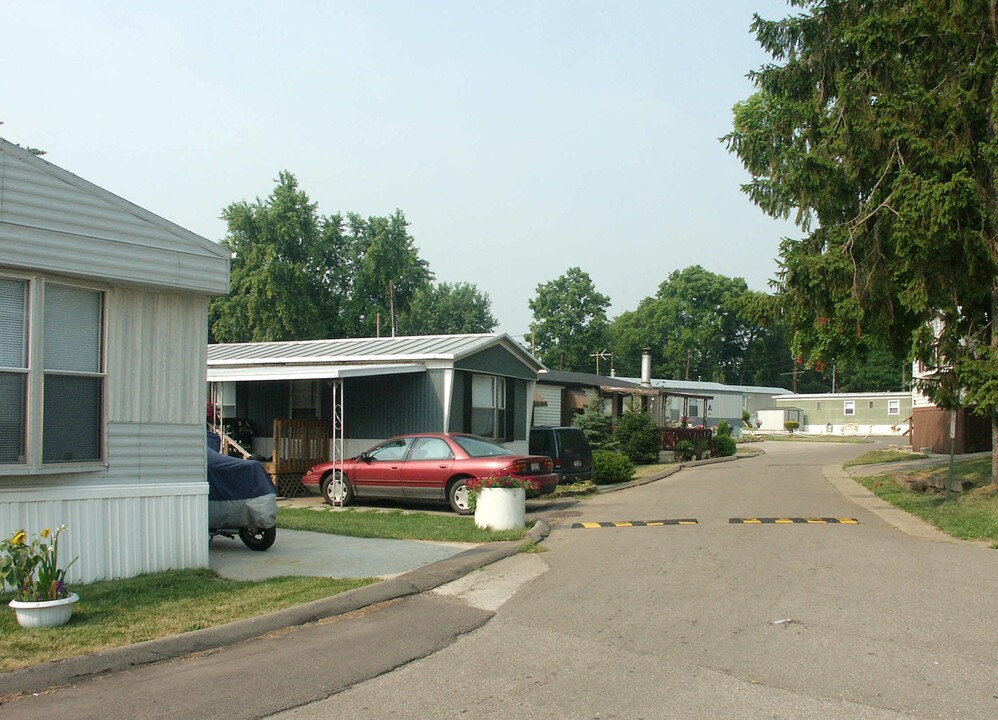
(833, 378)
(689, 353)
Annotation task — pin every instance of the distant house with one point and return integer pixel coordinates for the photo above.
(357, 392)
(560, 395)
(103, 319)
(884, 413)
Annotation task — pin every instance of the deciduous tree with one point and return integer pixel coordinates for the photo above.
(445, 308)
(569, 321)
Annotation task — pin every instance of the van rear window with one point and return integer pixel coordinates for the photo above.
(573, 440)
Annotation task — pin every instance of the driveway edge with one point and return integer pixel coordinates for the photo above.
(76, 669)
(669, 471)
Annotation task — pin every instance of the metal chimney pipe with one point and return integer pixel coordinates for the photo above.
(646, 368)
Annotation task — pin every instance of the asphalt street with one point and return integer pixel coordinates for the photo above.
(708, 620)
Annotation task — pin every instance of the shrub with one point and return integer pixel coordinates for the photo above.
(723, 429)
(746, 417)
(595, 425)
(724, 446)
(638, 437)
(685, 450)
(701, 448)
(791, 425)
(612, 467)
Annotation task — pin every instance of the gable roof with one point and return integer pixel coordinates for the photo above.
(53, 220)
(418, 348)
(562, 377)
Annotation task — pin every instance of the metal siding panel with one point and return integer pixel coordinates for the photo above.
(48, 223)
(496, 360)
(457, 403)
(391, 405)
(138, 530)
(551, 413)
(156, 356)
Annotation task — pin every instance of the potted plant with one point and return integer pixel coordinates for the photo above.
(500, 501)
(41, 598)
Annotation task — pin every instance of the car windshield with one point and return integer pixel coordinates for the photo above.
(480, 447)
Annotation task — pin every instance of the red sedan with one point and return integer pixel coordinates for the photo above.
(425, 466)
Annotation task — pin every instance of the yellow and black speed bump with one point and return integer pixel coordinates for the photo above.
(794, 521)
(636, 523)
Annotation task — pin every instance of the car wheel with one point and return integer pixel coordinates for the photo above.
(336, 489)
(258, 539)
(459, 497)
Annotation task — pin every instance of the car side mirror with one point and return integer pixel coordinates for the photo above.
(364, 457)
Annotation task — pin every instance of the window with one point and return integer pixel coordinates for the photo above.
(60, 363)
(488, 406)
(849, 407)
(871, 404)
(694, 410)
(893, 407)
(431, 449)
(818, 405)
(13, 369)
(391, 451)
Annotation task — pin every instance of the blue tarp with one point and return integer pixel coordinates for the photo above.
(240, 493)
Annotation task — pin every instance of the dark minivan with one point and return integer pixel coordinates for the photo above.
(567, 447)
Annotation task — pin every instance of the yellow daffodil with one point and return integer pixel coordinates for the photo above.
(19, 538)
(45, 533)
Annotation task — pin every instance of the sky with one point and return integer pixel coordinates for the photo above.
(520, 139)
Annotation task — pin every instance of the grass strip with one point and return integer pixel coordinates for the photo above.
(393, 524)
(970, 515)
(796, 437)
(113, 613)
(875, 457)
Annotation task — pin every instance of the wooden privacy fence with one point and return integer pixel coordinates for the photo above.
(298, 445)
(672, 435)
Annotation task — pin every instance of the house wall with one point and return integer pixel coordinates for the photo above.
(147, 510)
(931, 427)
(826, 413)
(549, 414)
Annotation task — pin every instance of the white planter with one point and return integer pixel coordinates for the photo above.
(501, 508)
(49, 613)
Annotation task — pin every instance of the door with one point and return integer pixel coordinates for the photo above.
(377, 473)
(425, 473)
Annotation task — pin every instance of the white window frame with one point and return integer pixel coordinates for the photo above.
(498, 404)
(893, 407)
(849, 408)
(35, 401)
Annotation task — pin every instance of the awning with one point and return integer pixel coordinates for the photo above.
(539, 400)
(228, 373)
(574, 399)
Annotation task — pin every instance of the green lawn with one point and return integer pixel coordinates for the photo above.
(394, 524)
(122, 612)
(971, 515)
(874, 457)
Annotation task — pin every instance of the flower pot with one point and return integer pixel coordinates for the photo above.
(48, 613)
(501, 508)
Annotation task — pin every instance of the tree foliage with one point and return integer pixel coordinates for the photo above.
(298, 275)
(287, 271)
(875, 129)
(444, 308)
(637, 436)
(595, 425)
(703, 325)
(570, 321)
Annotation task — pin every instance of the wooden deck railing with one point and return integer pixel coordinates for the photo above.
(298, 445)
(672, 435)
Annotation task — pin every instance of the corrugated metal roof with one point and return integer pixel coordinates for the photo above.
(365, 350)
(306, 372)
(700, 386)
(562, 377)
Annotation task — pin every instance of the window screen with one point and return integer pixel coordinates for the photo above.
(13, 369)
(73, 388)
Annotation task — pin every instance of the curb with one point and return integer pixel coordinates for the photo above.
(670, 471)
(899, 519)
(35, 678)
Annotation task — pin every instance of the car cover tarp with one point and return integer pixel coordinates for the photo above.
(240, 493)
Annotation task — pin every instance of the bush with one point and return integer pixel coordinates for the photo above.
(611, 467)
(723, 429)
(595, 425)
(638, 437)
(724, 446)
(685, 450)
(791, 425)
